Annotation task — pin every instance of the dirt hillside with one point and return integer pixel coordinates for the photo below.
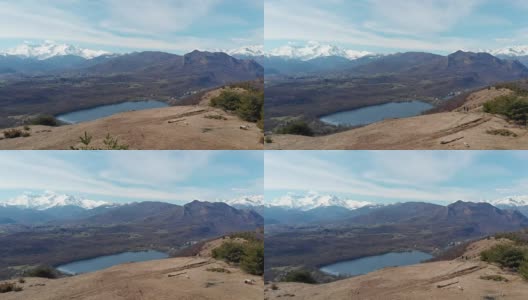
(456, 279)
(185, 278)
(459, 130)
(196, 127)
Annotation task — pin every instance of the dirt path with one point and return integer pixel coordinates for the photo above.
(175, 278)
(197, 127)
(457, 279)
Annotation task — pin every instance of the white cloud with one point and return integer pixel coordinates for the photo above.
(393, 176)
(156, 25)
(138, 176)
(417, 25)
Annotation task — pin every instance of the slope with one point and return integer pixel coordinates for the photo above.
(179, 127)
(456, 279)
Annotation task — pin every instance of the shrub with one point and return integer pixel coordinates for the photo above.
(297, 128)
(46, 120)
(512, 106)
(269, 140)
(248, 106)
(7, 287)
(252, 261)
(523, 269)
(274, 287)
(249, 255)
(21, 280)
(227, 100)
(229, 251)
(508, 256)
(15, 133)
(42, 271)
(299, 276)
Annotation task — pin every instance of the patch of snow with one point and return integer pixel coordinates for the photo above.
(50, 199)
(313, 200)
(315, 50)
(50, 49)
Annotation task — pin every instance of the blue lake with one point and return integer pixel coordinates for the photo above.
(103, 262)
(372, 114)
(372, 263)
(108, 110)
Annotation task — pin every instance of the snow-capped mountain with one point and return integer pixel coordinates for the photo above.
(314, 50)
(514, 201)
(313, 200)
(49, 200)
(50, 49)
(253, 200)
(247, 51)
(510, 51)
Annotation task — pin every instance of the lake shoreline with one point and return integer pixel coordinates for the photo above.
(107, 261)
(97, 112)
(421, 257)
(360, 116)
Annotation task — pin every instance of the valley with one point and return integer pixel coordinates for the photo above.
(84, 234)
(397, 228)
(448, 127)
(188, 277)
(193, 124)
(335, 104)
(462, 277)
(109, 80)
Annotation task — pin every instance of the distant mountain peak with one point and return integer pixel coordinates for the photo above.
(49, 49)
(515, 201)
(252, 201)
(510, 51)
(312, 200)
(246, 51)
(50, 199)
(313, 49)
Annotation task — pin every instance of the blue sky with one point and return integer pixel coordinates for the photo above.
(133, 25)
(128, 176)
(398, 176)
(438, 26)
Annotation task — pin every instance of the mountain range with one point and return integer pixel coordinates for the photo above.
(50, 199)
(35, 208)
(313, 207)
(32, 86)
(49, 49)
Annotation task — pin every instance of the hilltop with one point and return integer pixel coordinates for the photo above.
(448, 130)
(461, 278)
(194, 125)
(193, 277)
